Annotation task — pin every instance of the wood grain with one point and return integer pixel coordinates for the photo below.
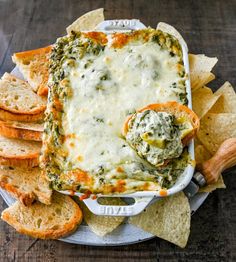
(209, 27)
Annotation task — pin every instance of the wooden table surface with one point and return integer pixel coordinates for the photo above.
(209, 27)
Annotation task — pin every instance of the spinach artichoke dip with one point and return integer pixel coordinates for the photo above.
(96, 81)
(156, 136)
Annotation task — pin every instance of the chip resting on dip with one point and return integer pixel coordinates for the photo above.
(117, 120)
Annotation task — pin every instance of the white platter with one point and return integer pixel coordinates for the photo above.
(125, 234)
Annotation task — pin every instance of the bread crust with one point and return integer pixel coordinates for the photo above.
(8, 130)
(53, 233)
(32, 112)
(28, 53)
(8, 116)
(26, 162)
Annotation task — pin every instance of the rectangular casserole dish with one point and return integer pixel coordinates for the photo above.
(142, 198)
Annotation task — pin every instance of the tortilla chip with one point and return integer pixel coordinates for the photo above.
(203, 99)
(201, 154)
(200, 70)
(215, 129)
(201, 63)
(102, 225)
(168, 218)
(209, 188)
(227, 102)
(87, 21)
(200, 79)
(196, 142)
(207, 90)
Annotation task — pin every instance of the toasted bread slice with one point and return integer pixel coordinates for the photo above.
(177, 110)
(45, 221)
(21, 130)
(15, 80)
(21, 153)
(8, 116)
(17, 97)
(26, 185)
(34, 65)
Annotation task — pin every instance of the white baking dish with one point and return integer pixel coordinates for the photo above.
(142, 198)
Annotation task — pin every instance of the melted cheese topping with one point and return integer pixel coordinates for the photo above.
(106, 88)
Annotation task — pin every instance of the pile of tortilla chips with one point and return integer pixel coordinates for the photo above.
(169, 218)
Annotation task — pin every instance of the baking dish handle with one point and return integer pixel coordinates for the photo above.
(128, 210)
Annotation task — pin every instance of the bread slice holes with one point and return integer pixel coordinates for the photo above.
(26, 62)
(16, 97)
(58, 211)
(39, 221)
(55, 227)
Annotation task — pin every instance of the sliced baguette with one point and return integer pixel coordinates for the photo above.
(21, 153)
(8, 116)
(26, 185)
(16, 96)
(15, 80)
(21, 130)
(45, 221)
(34, 65)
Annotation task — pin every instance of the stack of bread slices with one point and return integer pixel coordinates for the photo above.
(38, 211)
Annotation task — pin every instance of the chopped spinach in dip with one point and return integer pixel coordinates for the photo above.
(156, 136)
(95, 81)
